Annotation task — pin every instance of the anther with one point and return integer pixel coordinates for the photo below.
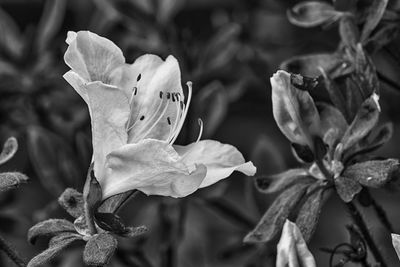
(161, 94)
(141, 118)
(168, 95)
(139, 77)
(168, 120)
(134, 90)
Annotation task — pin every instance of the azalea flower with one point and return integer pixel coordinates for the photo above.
(137, 112)
(292, 250)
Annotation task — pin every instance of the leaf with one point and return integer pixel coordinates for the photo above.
(373, 173)
(57, 245)
(167, 9)
(373, 16)
(10, 38)
(377, 138)
(396, 244)
(278, 182)
(294, 110)
(52, 160)
(11, 180)
(92, 194)
(49, 228)
(308, 216)
(347, 188)
(113, 203)
(99, 249)
(310, 65)
(335, 94)
(292, 249)
(348, 31)
(365, 119)
(333, 123)
(211, 106)
(131, 232)
(50, 22)
(72, 201)
(110, 222)
(302, 153)
(10, 147)
(272, 222)
(383, 36)
(312, 13)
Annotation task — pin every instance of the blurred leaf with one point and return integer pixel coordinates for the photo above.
(373, 173)
(310, 65)
(56, 246)
(278, 182)
(348, 31)
(347, 188)
(373, 16)
(49, 228)
(383, 36)
(99, 249)
(10, 38)
(211, 105)
(308, 216)
(52, 160)
(396, 244)
(50, 22)
(272, 222)
(366, 118)
(312, 13)
(267, 156)
(294, 110)
(72, 201)
(167, 9)
(11, 180)
(10, 147)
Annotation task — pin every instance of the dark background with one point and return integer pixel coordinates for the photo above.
(228, 49)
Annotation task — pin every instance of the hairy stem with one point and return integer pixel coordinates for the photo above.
(380, 212)
(359, 221)
(11, 253)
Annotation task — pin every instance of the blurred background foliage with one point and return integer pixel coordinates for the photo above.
(228, 49)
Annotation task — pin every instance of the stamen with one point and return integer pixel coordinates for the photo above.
(168, 95)
(182, 120)
(151, 117)
(161, 94)
(139, 77)
(169, 120)
(201, 129)
(155, 123)
(135, 90)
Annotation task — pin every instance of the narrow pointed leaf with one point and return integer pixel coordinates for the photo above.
(373, 16)
(278, 182)
(272, 222)
(373, 173)
(49, 228)
(347, 188)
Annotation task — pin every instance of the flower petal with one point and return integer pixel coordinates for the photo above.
(109, 111)
(92, 57)
(77, 83)
(220, 159)
(292, 250)
(153, 167)
(294, 110)
(156, 102)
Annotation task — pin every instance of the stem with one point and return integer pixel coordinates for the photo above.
(11, 253)
(359, 221)
(380, 213)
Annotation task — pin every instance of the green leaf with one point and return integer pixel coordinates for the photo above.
(49, 228)
(272, 222)
(56, 245)
(396, 244)
(374, 14)
(11, 180)
(99, 249)
(347, 188)
(72, 201)
(373, 173)
(278, 182)
(365, 119)
(312, 13)
(294, 110)
(308, 216)
(10, 147)
(333, 124)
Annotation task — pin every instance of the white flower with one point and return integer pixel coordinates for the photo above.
(137, 111)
